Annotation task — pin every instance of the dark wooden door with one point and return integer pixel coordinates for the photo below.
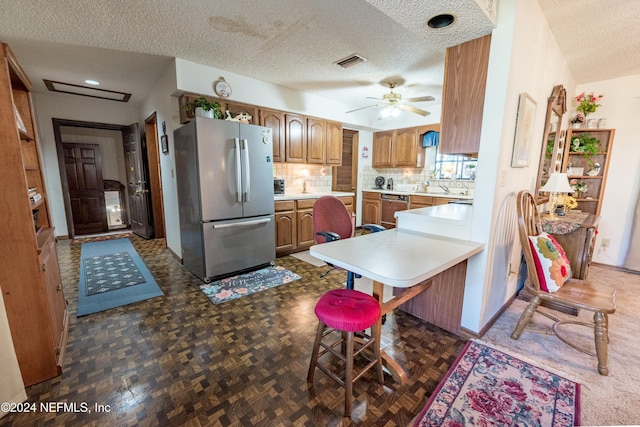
(83, 166)
(137, 188)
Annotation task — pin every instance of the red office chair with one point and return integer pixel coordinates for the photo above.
(333, 221)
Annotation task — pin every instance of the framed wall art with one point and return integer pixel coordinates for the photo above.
(524, 131)
(164, 142)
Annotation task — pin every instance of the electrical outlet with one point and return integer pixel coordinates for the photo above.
(605, 244)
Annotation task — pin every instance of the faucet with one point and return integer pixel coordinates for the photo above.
(390, 184)
(445, 188)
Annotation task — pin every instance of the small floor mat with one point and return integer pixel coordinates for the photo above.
(110, 272)
(242, 285)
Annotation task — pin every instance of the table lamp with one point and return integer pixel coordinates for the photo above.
(304, 173)
(557, 183)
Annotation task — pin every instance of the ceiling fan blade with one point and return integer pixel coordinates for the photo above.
(362, 108)
(373, 97)
(420, 99)
(413, 110)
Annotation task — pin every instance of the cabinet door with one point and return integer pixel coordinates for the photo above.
(333, 152)
(295, 138)
(371, 212)
(53, 287)
(382, 142)
(305, 228)
(463, 93)
(285, 231)
(405, 148)
(441, 201)
(275, 121)
(316, 137)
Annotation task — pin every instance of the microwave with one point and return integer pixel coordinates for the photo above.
(278, 186)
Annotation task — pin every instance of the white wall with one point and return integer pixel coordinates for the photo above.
(620, 106)
(71, 107)
(524, 58)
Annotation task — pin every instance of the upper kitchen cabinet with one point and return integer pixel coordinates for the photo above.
(316, 139)
(275, 121)
(465, 78)
(398, 148)
(333, 144)
(295, 138)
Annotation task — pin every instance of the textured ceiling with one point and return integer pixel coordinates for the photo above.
(601, 40)
(294, 43)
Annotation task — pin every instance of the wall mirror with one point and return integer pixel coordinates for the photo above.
(552, 141)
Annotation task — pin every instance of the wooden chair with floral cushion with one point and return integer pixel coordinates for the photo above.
(549, 279)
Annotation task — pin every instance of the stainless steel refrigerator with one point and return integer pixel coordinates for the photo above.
(224, 175)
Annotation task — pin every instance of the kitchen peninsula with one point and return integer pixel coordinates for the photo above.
(427, 271)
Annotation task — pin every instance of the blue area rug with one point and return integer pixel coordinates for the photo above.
(102, 287)
(246, 284)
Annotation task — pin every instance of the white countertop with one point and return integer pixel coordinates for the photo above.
(432, 193)
(311, 195)
(450, 220)
(396, 257)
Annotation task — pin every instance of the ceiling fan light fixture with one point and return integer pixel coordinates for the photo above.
(441, 21)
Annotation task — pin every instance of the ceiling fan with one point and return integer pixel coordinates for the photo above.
(393, 103)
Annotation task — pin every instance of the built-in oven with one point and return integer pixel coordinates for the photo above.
(392, 203)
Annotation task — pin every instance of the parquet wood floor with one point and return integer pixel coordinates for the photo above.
(179, 360)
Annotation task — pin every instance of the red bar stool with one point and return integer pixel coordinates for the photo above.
(347, 311)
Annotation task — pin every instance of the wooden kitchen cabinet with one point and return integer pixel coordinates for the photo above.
(274, 120)
(316, 140)
(304, 218)
(29, 272)
(333, 151)
(465, 80)
(286, 233)
(371, 208)
(416, 202)
(442, 201)
(398, 148)
(381, 152)
(295, 138)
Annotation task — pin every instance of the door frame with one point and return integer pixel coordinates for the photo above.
(155, 188)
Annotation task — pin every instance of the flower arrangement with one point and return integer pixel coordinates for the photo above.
(569, 202)
(587, 103)
(578, 118)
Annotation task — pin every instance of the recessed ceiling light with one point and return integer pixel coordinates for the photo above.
(441, 21)
(92, 82)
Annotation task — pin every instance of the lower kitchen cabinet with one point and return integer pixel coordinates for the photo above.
(371, 208)
(416, 202)
(294, 224)
(286, 237)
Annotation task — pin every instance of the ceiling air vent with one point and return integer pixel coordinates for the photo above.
(350, 61)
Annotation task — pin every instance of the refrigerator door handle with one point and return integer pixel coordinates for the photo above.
(243, 223)
(247, 169)
(238, 171)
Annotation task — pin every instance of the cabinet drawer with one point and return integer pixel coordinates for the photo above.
(284, 205)
(370, 195)
(347, 200)
(421, 200)
(305, 203)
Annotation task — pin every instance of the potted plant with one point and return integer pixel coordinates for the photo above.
(203, 107)
(587, 145)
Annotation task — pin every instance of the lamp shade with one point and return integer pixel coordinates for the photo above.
(557, 183)
(305, 173)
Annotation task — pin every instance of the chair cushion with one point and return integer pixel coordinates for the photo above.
(552, 265)
(347, 310)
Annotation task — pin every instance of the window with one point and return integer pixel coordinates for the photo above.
(455, 167)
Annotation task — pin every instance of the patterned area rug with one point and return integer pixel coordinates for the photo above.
(118, 294)
(487, 387)
(110, 272)
(246, 284)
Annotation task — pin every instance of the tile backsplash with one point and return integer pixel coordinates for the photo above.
(319, 176)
